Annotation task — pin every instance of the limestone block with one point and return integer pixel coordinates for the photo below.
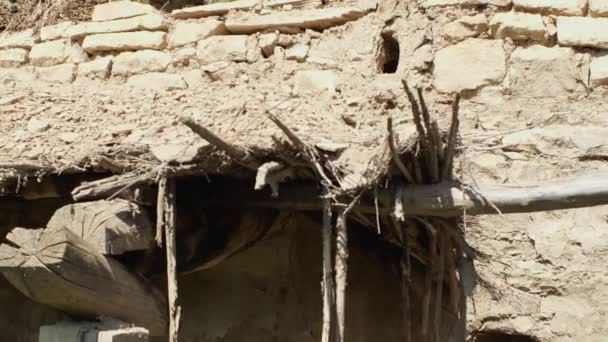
(598, 8)
(591, 32)
(98, 68)
(195, 78)
(439, 3)
(124, 335)
(599, 71)
(519, 26)
(222, 48)
(191, 32)
(119, 10)
(184, 56)
(22, 39)
(539, 71)
(267, 43)
(213, 9)
(63, 73)
(465, 27)
(469, 65)
(129, 63)
(17, 75)
(297, 53)
(11, 58)
(316, 19)
(124, 41)
(315, 81)
(157, 81)
(149, 22)
(560, 7)
(56, 52)
(56, 31)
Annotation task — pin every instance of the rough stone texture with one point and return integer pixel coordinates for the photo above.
(434, 3)
(184, 56)
(11, 58)
(465, 27)
(315, 81)
(124, 41)
(519, 26)
(212, 9)
(559, 7)
(297, 53)
(191, 32)
(57, 52)
(22, 39)
(129, 63)
(149, 22)
(11, 76)
(157, 81)
(267, 42)
(599, 71)
(480, 62)
(63, 73)
(120, 9)
(56, 31)
(195, 78)
(598, 8)
(124, 335)
(591, 32)
(222, 48)
(98, 68)
(540, 71)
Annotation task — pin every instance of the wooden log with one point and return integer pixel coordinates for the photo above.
(113, 227)
(59, 269)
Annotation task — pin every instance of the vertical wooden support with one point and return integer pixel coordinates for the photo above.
(328, 288)
(341, 272)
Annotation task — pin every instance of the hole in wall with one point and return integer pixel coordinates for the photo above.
(388, 60)
(498, 336)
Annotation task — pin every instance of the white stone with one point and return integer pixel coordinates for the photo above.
(213, 9)
(598, 8)
(591, 32)
(315, 81)
(222, 48)
(36, 125)
(599, 71)
(539, 71)
(149, 22)
(98, 68)
(124, 335)
(11, 58)
(297, 53)
(120, 9)
(519, 26)
(124, 41)
(63, 73)
(466, 27)
(469, 65)
(68, 137)
(130, 63)
(56, 52)
(195, 78)
(157, 81)
(191, 32)
(22, 39)
(439, 3)
(267, 43)
(560, 7)
(56, 31)
(184, 56)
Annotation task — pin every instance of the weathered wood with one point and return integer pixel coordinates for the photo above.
(112, 227)
(110, 186)
(341, 273)
(327, 283)
(59, 269)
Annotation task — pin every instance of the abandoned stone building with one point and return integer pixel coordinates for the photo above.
(304, 170)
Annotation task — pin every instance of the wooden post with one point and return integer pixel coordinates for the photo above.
(328, 288)
(341, 273)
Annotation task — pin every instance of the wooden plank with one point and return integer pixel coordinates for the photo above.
(59, 269)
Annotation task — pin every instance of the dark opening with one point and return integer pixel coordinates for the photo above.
(496, 336)
(389, 54)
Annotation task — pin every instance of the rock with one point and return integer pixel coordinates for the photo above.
(439, 3)
(540, 71)
(194, 78)
(598, 8)
(124, 41)
(479, 62)
(222, 48)
(297, 53)
(63, 73)
(22, 39)
(591, 32)
(183, 56)
(422, 57)
(599, 71)
(56, 31)
(558, 7)
(11, 58)
(317, 19)
(315, 81)
(465, 27)
(35, 125)
(98, 68)
(119, 10)
(17, 75)
(191, 32)
(68, 137)
(149, 22)
(267, 43)
(130, 63)
(56, 52)
(519, 26)
(157, 81)
(179, 152)
(220, 8)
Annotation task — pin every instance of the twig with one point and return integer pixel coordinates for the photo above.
(395, 155)
(415, 111)
(446, 173)
(327, 278)
(428, 284)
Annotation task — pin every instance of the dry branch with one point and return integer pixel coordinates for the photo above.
(446, 172)
(111, 186)
(391, 143)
